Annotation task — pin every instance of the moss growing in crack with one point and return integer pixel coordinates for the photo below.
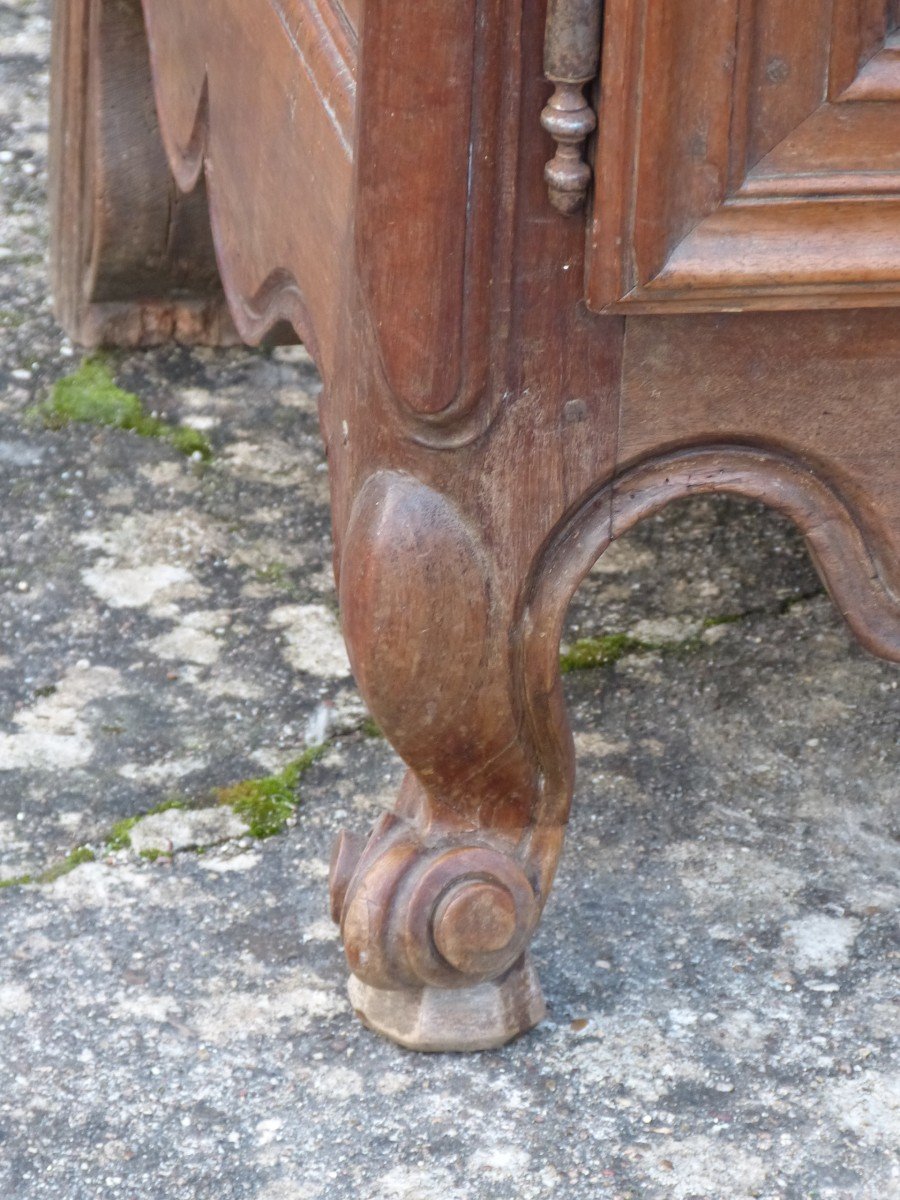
(371, 728)
(154, 855)
(791, 602)
(589, 653)
(91, 396)
(725, 619)
(17, 881)
(82, 854)
(119, 837)
(266, 803)
(186, 439)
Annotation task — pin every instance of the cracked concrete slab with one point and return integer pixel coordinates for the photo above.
(720, 955)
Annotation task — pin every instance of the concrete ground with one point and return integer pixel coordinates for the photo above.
(719, 956)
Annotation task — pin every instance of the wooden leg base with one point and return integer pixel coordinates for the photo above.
(463, 1019)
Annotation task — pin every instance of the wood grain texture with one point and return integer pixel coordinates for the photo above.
(733, 170)
(279, 226)
(132, 256)
(488, 436)
(427, 233)
(415, 311)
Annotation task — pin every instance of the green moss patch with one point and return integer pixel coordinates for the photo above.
(91, 396)
(266, 803)
(83, 854)
(725, 619)
(589, 653)
(275, 574)
(592, 652)
(17, 881)
(119, 837)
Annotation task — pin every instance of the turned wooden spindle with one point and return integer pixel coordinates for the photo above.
(571, 61)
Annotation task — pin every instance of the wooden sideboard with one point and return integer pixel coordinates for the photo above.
(559, 264)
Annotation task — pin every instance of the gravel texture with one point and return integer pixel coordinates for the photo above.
(720, 953)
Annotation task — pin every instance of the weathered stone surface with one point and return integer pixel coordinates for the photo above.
(185, 829)
(719, 958)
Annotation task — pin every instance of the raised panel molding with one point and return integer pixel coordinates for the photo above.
(748, 156)
(426, 231)
(417, 314)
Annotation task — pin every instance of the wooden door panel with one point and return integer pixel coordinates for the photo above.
(748, 156)
(783, 58)
(860, 29)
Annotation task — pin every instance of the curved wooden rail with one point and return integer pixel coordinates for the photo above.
(848, 565)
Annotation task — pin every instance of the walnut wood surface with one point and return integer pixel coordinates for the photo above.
(133, 259)
(262, 95)
(375, 174)
(748, 156)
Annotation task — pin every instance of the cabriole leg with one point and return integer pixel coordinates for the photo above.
(438, 907)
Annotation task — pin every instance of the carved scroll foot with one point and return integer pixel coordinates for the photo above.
(436, 931)
(438, 907)
(480, 1017)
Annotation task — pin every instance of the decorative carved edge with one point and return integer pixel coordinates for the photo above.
(132, 262)
(280, 297)
(328, 58)
(835, 537)
(322, 43)
(328, 54)
(430, 298)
